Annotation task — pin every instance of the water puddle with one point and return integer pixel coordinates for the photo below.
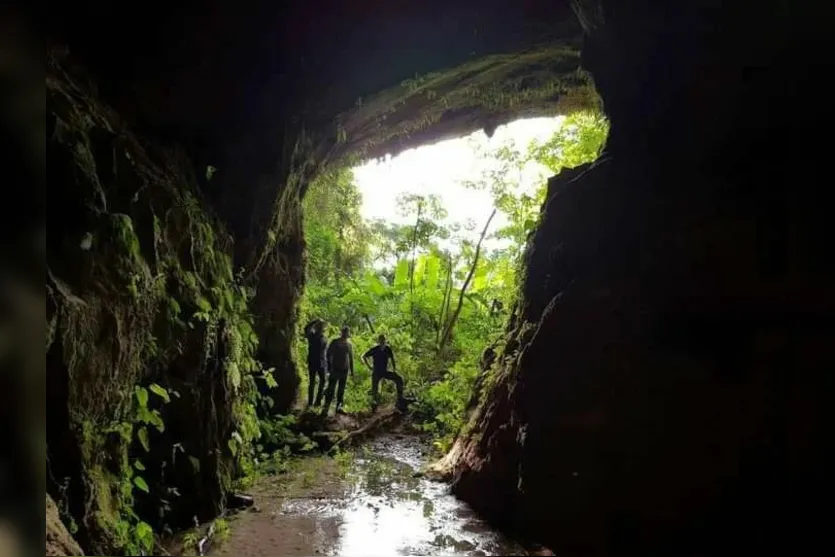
(379, 507)
(389, 511)
(374, 505)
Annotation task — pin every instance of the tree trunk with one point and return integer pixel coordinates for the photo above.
(370, 326)
(414, 249)
(445, 302)
(454, 318)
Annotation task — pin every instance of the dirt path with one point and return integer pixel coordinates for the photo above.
(369, 502)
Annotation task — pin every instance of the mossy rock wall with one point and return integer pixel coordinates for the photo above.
(150, 345)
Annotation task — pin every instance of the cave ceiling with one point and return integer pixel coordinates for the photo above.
(228, 79)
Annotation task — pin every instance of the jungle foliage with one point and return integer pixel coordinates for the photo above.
(440, 306)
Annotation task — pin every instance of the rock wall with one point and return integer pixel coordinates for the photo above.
(662, 389)
(150, 346)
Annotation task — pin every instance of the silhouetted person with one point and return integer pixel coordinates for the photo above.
(317, 346)
(381, 354)
(340, 359)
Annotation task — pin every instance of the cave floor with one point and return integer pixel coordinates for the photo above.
(371, 501)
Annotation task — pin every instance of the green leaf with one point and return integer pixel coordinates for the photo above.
(401, 273)
(145, 533)
(142, 435)
(139, 482)
(479, 279)
(204, 304)
(195, 463)
(160, 392)
(433, 270)
(138, 465)
(374, 284)
(420, 269)
(233, 446)
(141, 396)
(156, 420)
(269, 379)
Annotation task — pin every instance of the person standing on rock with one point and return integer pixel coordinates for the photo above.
(317, 345)
(340, 357)
(381, 354)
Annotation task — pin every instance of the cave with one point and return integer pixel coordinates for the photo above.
(662, 387)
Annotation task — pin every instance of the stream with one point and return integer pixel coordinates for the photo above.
(372, 504)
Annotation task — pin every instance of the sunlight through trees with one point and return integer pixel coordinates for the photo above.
(441, 291)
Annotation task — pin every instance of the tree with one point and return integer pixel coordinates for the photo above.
(336, 235)
(447, 328)
(578, 141)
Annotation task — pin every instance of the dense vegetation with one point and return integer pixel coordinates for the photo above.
(434, 289)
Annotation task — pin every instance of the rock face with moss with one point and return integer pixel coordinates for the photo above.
(661, 389)
(150, 351)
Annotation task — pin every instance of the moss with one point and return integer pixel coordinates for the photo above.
(123, 232)
(163, 310)
(543, 81)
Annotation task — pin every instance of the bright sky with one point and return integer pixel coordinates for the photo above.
(440, 168)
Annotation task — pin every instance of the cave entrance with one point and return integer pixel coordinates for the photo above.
(426, 248)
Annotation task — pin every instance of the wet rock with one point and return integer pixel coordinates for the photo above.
(58, 540)
(463, 545)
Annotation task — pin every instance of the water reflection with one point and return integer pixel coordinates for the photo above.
(389, 511)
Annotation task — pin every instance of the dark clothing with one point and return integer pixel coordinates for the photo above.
(313, 373)
(316, 347)
(316, 362)
(340, 358)
(381, 356)
(375, 385)
(335, 378)
(340, 355)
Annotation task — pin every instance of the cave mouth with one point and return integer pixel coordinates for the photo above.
(456, 305)
(680, 441)
(426, 246)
